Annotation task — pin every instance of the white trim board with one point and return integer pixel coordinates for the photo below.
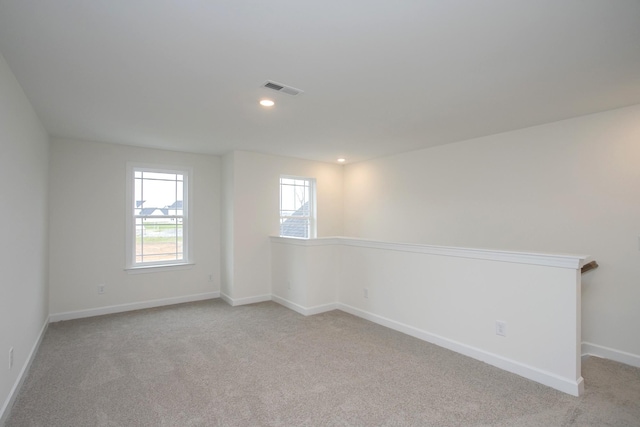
(589, 349)
(566, 385)
(13, 394)
(233, 302)
(535, 258)
(69, 315)
(305, 311)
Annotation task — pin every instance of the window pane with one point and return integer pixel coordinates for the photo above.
(296, 207)
(159, 240)
(139, 233)
(294, 227)
(159, 194)
(288, 198)
(160, 176)
(159, 230)
(302, 200)
(139, 201)
(159, 257)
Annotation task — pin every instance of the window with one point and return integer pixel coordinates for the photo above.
(158, 216)
(297, 207)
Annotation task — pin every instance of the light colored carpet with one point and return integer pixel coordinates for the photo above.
(209, 364)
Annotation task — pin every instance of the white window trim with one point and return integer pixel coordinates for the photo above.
(313, 221)
(130, 264)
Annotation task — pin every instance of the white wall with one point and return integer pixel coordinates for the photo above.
(449, 296)
(24, 154)
(455, 302)
(226, 232)
(305, 274)
(87, 227)
(571, 186)
(256, 198)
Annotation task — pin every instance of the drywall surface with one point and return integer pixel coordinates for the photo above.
(87, 227)
(226, 232)
(24, 158)
(453, 297)
(256, 197)
(459, 301)
(305, 273)
(571, 186)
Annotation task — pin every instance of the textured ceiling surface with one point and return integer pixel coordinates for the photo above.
(379, 77)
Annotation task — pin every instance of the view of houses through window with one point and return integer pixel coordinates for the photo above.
(297, 207)
(160, 217)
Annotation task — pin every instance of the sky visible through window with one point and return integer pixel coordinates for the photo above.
(294, 195)
(160, 190)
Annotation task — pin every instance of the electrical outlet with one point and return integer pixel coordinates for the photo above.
(11, 358)
(501, 328)
(365, 292)
(100, 289)
(289, 284)
(211, 277)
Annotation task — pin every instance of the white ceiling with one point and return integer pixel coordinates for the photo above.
(379, 77)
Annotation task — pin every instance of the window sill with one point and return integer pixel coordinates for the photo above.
(159, 268)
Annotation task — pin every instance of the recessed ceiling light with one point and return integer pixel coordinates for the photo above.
(267, 103)
(342, 160)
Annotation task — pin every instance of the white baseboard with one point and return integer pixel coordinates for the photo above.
(305, 311)
(589, 349)
(69, 315)
(13, 394)
(243, 301)
(226, 298)
(566, 385)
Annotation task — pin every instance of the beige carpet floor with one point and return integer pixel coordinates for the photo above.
(209, 364)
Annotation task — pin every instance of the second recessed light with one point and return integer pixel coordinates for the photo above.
(267, 103)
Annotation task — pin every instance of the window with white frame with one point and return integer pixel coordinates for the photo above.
(297, 207)
(158, 218)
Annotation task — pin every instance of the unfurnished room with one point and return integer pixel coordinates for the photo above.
(305, 213)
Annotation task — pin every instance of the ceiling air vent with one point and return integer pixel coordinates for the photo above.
(282, 88)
